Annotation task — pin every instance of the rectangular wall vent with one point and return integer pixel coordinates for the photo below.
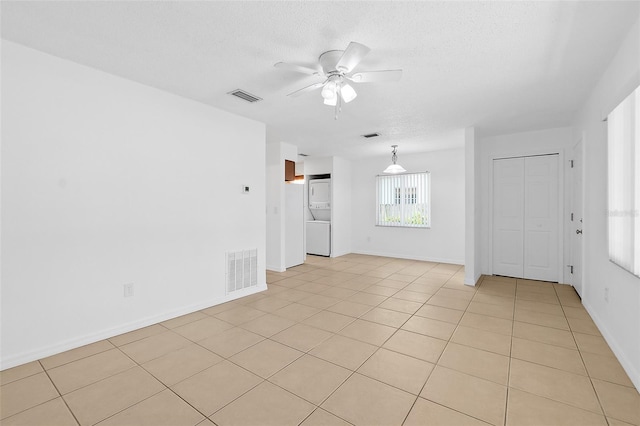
(244, 95)
(242, 269)
(371, 135)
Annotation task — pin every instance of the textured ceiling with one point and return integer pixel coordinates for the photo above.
(499, 66)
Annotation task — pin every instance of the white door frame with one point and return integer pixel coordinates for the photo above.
(573, 225)
(561, 204)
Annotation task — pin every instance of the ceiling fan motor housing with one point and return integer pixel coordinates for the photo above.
(328, 61)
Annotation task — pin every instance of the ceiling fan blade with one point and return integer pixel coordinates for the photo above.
(296, 68)
(376, 76)
(352, 56)
(306, 89)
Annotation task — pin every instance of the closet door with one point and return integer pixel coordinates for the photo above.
(541, 218)
(508, 217)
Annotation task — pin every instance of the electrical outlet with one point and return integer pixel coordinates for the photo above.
(606, 294)
(128, 290)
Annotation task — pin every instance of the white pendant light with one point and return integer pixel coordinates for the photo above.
(394, 168)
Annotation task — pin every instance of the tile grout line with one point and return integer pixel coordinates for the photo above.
(167, 387)
(435, 365)
(352, 372)
(138, 402)
(43, 402)
(560, 369)
(369, 357)
(513, 324)
(59, 393)
(593, 387)
(232, 362)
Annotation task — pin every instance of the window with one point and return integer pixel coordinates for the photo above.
(624, 183)
(403, 200)
(409, 196)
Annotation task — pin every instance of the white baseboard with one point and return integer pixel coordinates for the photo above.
(475, 280)
(627, 365)
(275, 269)
(404, 256)
(76, 342)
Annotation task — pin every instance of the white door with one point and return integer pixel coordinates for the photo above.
(576, 219)
(541, 218)
(525, 217)
(508, 214)
(294, 225)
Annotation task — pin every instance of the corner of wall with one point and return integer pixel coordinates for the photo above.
(472, 230)
(627, 364)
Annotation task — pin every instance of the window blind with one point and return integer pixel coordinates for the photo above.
(624, 183)
(403, 200)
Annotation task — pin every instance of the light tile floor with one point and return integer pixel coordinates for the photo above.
(358, 340)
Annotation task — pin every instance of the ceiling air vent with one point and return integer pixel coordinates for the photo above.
(371, 135)
(244, 95)
(303, 155)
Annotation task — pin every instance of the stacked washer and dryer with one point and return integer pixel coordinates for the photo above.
(319, 227)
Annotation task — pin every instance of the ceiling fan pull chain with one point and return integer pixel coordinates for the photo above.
(339, 101)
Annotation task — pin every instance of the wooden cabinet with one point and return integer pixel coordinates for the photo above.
(289, 170)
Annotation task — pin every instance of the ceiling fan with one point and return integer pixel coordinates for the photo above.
(336, 66)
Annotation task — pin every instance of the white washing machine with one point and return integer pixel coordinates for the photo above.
(319, 237)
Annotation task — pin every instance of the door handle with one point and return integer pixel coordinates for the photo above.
(578, 231)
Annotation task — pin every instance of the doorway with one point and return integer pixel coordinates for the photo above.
(526, 217)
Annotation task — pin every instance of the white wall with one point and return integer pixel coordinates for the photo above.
(472, 268)
(277, 153)
(618, 319)
(444, 241)
(547, 141)
(274, 177)
(341, 207)
(318, 165)
(106, 182)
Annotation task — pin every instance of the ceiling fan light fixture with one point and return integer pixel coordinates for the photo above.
(394, 167)
(329, 90)
(347, 92)
(331, 101)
